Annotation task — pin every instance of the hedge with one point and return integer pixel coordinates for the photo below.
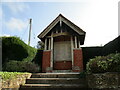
(13, 48)
(101, 64)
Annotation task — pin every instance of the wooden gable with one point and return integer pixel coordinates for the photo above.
(61, 19)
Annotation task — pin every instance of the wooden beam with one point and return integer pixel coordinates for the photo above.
(60, 22)
(51, 63)
(49, 27)
(56, 31)
(79, 44)
(61, 31)
(59, 34)
(45, 43)
(72, 50)
(75, 42)
(49, 43)
(73, 27)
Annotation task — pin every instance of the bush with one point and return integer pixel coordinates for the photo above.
(101, 64)
(31, 67)
(20, 66)
(13, 48)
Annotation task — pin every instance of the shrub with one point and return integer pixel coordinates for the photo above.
(13, 66)
(83, 74)
(13, 48)
(31, 67)
(20, 66)
(101, 64)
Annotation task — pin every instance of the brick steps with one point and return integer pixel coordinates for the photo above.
(51, 81)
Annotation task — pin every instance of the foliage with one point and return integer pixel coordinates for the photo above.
(16, 49)
(8, 75)
(100, 64)
(38, 57)
(31, 67)
(40, 45)
(21, 66)
(82, 74)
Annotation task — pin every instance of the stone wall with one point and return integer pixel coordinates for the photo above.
(15, 82)
(104, 80)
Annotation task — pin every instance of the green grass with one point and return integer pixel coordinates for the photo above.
(11, 75)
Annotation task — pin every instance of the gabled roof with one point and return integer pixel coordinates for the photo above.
(66, 21)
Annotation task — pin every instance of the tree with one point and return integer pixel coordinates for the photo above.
(40, 45)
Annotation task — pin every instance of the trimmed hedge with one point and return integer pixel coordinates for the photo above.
(21, 66)
(101, 64)
(15, 49)
(16, 55)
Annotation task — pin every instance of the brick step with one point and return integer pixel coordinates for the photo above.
(55, 75)
(52, 86)
(55, 81)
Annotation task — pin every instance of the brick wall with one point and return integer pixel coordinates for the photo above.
(78, 60)
(63, 65)
(46, 61)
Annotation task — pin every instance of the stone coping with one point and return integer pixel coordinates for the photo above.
(50, 73)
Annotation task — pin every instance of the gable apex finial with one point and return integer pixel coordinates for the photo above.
(60, 14)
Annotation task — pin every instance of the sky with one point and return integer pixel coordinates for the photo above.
(98, 18)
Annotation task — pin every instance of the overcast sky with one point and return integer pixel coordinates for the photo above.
(98, 18)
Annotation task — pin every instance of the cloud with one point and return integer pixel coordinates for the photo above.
(6, 35)
(16, 24)
(17, 7)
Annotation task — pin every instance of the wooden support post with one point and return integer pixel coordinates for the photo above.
(49, 44)
(75, 42)
(72, 50)
(52, 41)
(45, 43)
(56, 31)
(79, 44)
(61, 30)
(51, 63)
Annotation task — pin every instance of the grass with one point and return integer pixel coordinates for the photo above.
(9, 75)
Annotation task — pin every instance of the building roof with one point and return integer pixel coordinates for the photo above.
(58, 19)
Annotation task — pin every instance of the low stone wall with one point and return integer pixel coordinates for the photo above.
(104, 80)
(15, 82)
